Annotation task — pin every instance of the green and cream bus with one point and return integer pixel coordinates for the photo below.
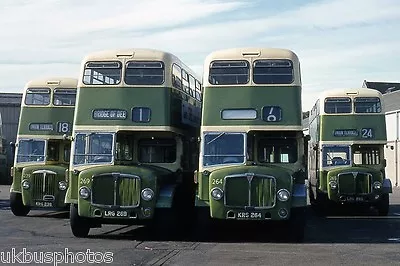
(346, 151)
(251, 164)
(41, 151)
(135, 137)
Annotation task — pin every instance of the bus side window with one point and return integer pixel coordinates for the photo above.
(176, 76)
(52, 151)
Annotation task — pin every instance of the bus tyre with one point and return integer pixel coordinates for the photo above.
(296, 224)
(80, 226)
(17, 206)
(383, 205)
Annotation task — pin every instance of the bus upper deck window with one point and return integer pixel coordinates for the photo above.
(64, 97)
(337, 105)
(273, 71)
(102, 73)
(229, 72)
(37, 96)
(144, 73)
(367, 105)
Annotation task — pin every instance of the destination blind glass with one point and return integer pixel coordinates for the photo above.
(109, 114)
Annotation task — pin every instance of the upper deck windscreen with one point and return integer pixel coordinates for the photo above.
(229, 72)
(144, 73)
(64, 97)
(273, 72)
(102, 73)
(367, 105)
(37, 96)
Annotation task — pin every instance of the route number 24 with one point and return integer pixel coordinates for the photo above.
(367, 133)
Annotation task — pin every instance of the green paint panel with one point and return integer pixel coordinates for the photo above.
(166, 106)
(128, 189)
(217, 99)
(330, 123)
(262, 190)
(41, 186)
(347, 183)
(44, 115)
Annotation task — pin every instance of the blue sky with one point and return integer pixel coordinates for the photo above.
(339, 42)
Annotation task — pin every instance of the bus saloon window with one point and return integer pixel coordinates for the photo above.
(144, 73)
(273, 150)
(176, 76)
(229, 72)
(367, 105)
(102, 73)
(67, 152)
(337, 105)
(224, 148)
(100, 148)
(335, 155)
(52, 151)
(124, 147)
(31, 150)
(273, 71)
(366, 155)
(37, 96)
(156, 150)
(64, 97)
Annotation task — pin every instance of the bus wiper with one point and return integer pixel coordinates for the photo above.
(217, 137)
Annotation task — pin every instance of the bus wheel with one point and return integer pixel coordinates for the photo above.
(80, 226)
(383, 205)
(17, 206)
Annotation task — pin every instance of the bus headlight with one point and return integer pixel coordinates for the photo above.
(377, 185)
(62, 185)
(283, 195)
(217, 193)
(333, 185)
(147, 194)
(26, 184)
(84, 192)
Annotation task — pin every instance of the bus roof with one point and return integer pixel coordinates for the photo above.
(135, 54)
(360, 92)
(250, 54)
(241, 53)
(53, 82)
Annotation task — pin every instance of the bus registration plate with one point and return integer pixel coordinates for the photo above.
(44, 204)
(249, 215)
(115, 213)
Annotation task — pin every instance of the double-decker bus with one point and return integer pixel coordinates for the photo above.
(42, 152)
(346, 151)
(251, 164)
(135, 138)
